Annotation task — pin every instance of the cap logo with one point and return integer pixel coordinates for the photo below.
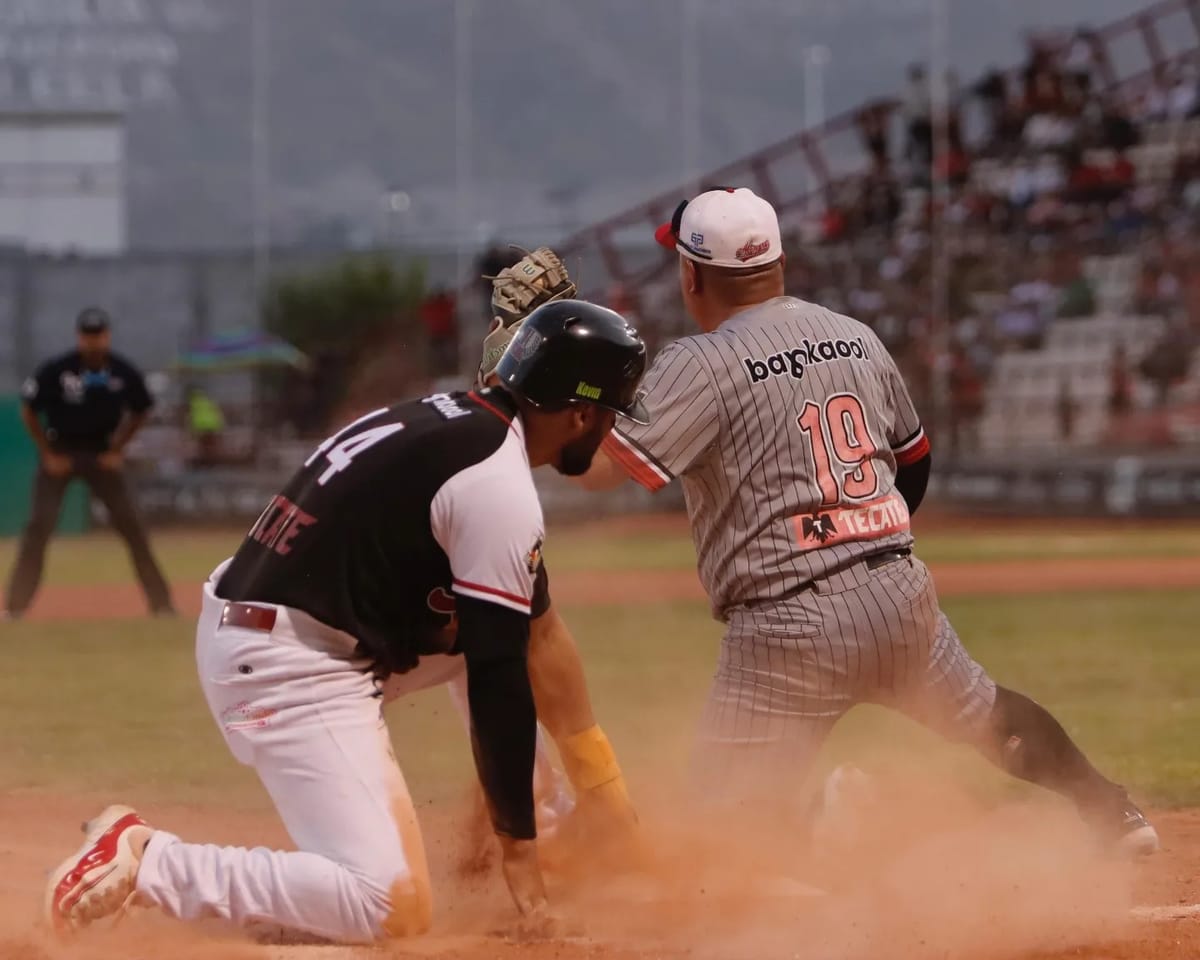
(697, 239)
(587, 390)
(752, 248)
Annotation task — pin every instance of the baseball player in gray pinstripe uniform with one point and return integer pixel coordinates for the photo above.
(802, 461)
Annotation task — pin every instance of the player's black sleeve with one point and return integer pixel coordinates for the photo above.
(912, 480)
(494, 640)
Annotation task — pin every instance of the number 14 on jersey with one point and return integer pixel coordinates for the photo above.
(341, 452)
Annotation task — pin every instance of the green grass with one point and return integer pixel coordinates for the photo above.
(115, 707)
(188, 556)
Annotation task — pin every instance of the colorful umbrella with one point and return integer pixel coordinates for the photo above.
(240, 351)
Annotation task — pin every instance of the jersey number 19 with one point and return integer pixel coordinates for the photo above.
(842, 449)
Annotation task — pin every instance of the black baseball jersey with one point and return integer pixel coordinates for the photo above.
(83, 407)
(392, 517)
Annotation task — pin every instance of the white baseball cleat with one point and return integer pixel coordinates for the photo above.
(98, 879)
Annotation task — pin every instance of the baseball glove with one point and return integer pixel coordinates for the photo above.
(538, 277)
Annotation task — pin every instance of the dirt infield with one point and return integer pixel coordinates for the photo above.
(578, 588)
(959, 883)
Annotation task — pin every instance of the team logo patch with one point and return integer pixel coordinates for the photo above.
(72, 387)
(819, 528)
(792, 362)
(440, 600)
(533, 559)
(873, 520)
(754, 247)
(524, 343)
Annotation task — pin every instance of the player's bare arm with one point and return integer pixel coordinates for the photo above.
(565, 708)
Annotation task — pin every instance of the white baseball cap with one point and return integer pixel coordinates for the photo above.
(729, 227)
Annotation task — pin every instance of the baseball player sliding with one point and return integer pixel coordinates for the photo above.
(413, 532)
(802, 461)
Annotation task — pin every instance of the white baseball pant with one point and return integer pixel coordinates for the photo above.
(299, 707)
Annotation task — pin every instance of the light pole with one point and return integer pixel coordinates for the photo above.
(940, 262)
(396, 203)
(463, 122)
(689, 93)
(816, 59)
(260, 142)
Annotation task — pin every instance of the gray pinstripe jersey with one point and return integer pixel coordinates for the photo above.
(785, 426)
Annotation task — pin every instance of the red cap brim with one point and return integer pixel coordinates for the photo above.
(665, 236)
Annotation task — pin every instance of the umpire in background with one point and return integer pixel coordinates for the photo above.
(81, 409)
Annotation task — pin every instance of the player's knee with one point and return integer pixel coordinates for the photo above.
(410, 909)
(393, 907)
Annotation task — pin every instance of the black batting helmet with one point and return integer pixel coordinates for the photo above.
(571, 351)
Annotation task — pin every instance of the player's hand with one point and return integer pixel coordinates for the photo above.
(600, 835)
(111, 460)
(523, 874)
(542, 924)
(56, 464)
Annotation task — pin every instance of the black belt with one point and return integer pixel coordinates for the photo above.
(876, 560)
(248, 617)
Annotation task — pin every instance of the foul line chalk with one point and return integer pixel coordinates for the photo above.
(1179, 911)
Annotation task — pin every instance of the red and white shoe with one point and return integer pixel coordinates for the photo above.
(98, 879)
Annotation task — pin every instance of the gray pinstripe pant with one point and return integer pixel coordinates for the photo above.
(788, 672)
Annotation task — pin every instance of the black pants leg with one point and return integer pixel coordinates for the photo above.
(110, 488)
(31, 554)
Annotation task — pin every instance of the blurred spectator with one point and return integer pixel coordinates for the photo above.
(1185, 97)
(1048, 131)
(1117, 130)
(439, 314)
(880, 199)
(1159, 290)
(1153, 106)
(1065, 408)
(992, 92)
(954, 103)
(1120, 383)
(1043, 84)
(966, 402)
(872, 124)
(833, 223)
(917, 119)
(205, 423)
(1077, 72)
(1077, 298)
(1168, 360)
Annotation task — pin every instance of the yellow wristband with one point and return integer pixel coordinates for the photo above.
(589, 759)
